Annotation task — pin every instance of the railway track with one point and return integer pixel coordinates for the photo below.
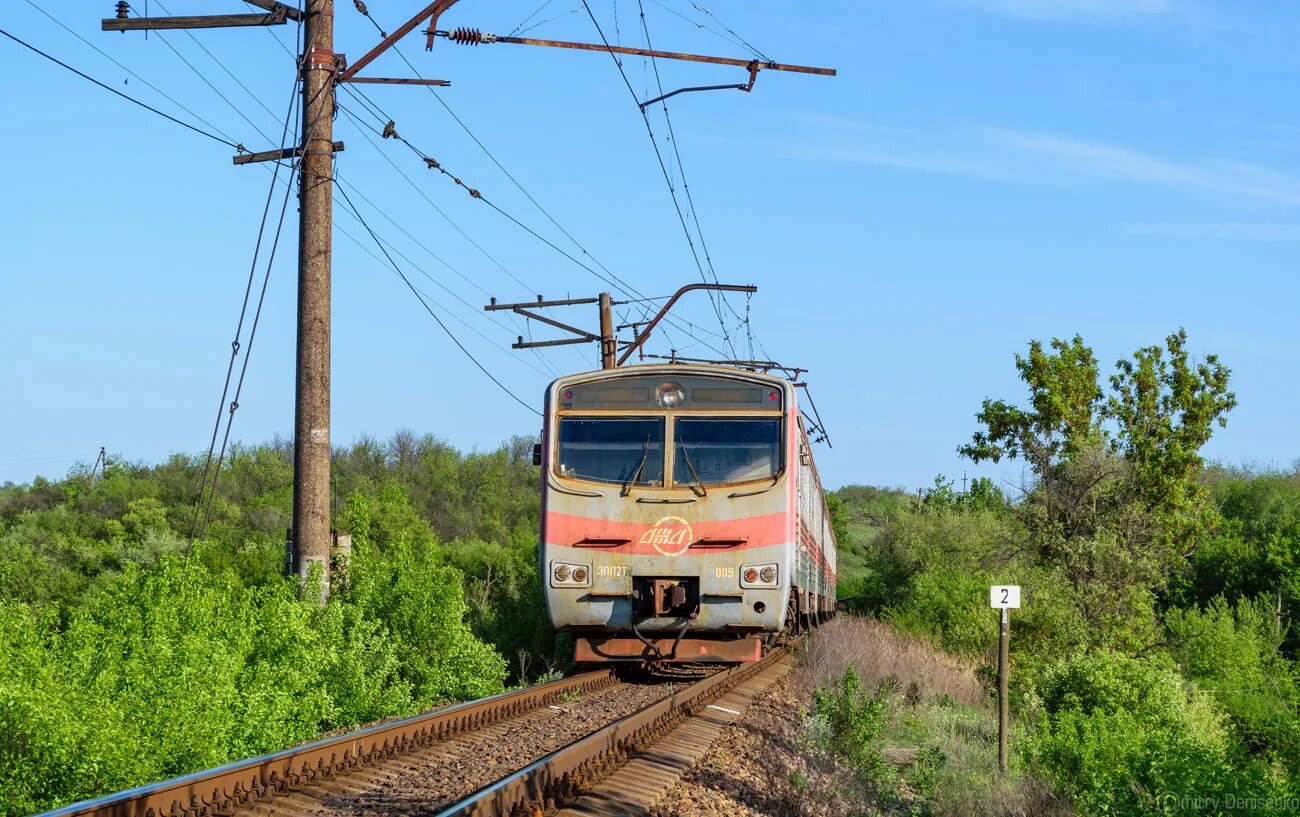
(525, 753)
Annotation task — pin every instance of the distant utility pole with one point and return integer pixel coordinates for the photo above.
(609, 357)
(322, 69)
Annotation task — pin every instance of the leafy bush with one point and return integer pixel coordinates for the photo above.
(1232, 652)
(951, 604)
(1117, 733)
(853, 722)
(174, 668)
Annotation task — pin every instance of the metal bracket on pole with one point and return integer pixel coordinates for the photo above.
(274, 155)
(650, 327)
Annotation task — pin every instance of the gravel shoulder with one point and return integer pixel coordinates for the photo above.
(759, 767)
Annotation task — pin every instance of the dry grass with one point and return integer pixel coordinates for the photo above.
(880, 653)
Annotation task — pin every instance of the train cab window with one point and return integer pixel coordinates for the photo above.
(711, 451)
(612, 449)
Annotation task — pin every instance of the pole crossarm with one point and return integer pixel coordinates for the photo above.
(472, 36)
(650, 327)
(279, 14)
(496, 307)
(274, 155)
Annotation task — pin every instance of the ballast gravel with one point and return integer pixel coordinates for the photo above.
(424, 782)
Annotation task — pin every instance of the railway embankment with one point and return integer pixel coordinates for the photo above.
(871, 722)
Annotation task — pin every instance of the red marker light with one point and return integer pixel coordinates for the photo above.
(751, 575)
(772, 395)
(568, 394)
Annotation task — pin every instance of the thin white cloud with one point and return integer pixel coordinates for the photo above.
(1072, 9)
(1044, 160)
(1221, 230)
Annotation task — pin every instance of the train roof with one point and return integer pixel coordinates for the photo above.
(675, 368)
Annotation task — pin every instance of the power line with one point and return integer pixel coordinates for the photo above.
(209, 83)
(131, 99)
(492, 157)
(222, 65)
(681, 168)
(195, 529)
(616, 282)
(110, 58)
(473, 309)
(376, 112)
(432, 314)
(664, 168)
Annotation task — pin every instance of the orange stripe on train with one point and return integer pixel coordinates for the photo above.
(670, 535)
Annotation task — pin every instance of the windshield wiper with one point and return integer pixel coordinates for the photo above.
(700, 490)
(636, 475)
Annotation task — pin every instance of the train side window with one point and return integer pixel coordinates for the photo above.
(620, 450)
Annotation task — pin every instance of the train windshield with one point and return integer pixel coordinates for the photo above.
(613, 449)
(710, 451)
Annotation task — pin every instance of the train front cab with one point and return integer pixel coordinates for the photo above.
(669, 518)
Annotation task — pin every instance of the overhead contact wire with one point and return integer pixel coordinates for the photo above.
(433, 314)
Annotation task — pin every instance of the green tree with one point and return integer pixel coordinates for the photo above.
(1116, 502)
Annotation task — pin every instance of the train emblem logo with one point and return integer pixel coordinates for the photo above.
(671, 536)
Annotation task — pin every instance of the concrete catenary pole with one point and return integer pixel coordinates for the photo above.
(608, 343)
(311, 475)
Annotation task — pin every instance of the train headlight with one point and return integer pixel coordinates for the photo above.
(759, 576)
(670, 395)
(567, 574)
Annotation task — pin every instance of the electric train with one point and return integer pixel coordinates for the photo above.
(682, 516)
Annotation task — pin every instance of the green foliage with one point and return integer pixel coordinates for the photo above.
(1065, 411)
(170, 669)
(1166, 410)
(853, 723)
(128, 656)
(1156, 652)
(1233, 653)
(1119, 734)
(1117, 505)
(950, 603)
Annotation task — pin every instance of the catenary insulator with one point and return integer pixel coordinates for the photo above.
(470, 36)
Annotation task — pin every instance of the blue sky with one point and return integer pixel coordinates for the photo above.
(981, 172)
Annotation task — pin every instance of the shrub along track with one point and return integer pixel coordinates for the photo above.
(519, 753)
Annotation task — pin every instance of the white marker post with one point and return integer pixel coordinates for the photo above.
(1004, 597)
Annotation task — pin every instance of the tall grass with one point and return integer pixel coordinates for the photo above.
(932, 728)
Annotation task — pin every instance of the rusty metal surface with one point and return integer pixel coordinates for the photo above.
(431, 11)
(642, 783)
(566, 774)
(645, 333)
(275, 18)
(473, 36)
(221, 790)
(617, 648)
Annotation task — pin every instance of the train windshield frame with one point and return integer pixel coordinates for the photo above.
(670, 431)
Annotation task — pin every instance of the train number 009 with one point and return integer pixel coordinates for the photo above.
(724, 572)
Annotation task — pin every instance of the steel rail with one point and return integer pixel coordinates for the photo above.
(227, 788)
(566, 773)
